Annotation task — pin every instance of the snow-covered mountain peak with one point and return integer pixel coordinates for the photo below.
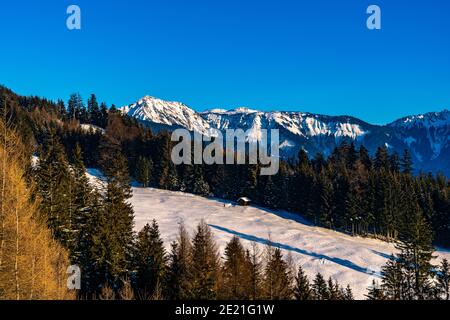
(169, 113)
(427, 136)
(430, 119)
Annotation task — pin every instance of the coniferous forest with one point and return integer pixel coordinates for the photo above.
(52, 217)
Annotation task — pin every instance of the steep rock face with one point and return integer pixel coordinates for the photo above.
(427, 136)
(166, 113)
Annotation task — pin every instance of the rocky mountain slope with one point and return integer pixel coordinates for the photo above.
(427, 136)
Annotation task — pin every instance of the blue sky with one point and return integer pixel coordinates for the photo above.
(315, 56)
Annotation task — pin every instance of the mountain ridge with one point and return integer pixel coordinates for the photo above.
(426, 135)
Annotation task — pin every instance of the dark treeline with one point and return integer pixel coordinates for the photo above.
(350, 191)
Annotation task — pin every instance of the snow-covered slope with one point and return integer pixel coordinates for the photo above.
(427, 136)
(91, 128)
(350, 260)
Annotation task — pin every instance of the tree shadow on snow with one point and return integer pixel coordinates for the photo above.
(339, 261)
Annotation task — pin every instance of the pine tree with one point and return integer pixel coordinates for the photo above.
(375, 292)
(302, 289)
(406, 163)
(150, 260)
(235, 274)
(205, 264)
(103, 118)
(382, 159)
(352, 155)
(173, 182)
(116, 236)
(250, 181)
(270, 197)
(144, 171)
(324, 206)
(93, 111)
(393, 283)
(201, 187)
(161, 160)
(443, 277)
(85, 211)
(255, 272)
(276, 278)
(92, 249)
(348, 294)
(394, 162)
(334, 291)
(55, 188)
(365, 157)
(416, 250)
(319, 288)
(179, 274)
(62, 109)
(76, 108)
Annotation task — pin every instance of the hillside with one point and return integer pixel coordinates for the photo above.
(350, 260)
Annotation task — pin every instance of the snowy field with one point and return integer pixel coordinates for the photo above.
(350, 260)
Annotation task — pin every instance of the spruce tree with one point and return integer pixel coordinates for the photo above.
(205, 266)
(255, 272)
(416, 249)
(347, 293)
(334, 291)
(93, 110)
(393, 283)
(85, 209)
(443, 278)
(54, 184)
(365, 157)
(302, 289)
(375, 292)
(173, 182)
(382, 159)
(179, 273)
(150, 260)
(76, 108)
(201, 187)
(319, 288)
(406, 163)
(117, 233)
(276, 278)
(82, 206)
(144, 171)
(103, 119)
(235, 274)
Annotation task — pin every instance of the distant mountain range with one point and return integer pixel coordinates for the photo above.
(427, 136)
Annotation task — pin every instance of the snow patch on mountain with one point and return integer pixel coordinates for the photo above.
(426, 120)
